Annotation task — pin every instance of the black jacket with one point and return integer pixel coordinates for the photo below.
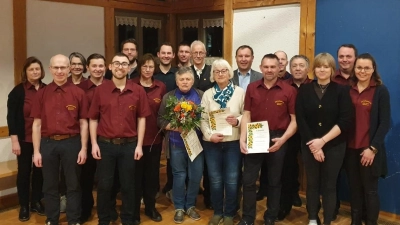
(203, 83)
(15, 112)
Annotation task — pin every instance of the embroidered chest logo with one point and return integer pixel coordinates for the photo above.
(279, 102)
(157, 100)
(70, 107)
(132, 107)
(366, 103)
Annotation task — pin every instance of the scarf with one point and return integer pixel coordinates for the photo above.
(222, 96)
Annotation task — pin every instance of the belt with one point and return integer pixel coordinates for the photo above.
(117, 141)
(59, 137)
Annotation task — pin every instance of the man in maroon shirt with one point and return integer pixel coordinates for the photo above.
(272, 100)
(346, 54)
(59, 135)
(117, 125)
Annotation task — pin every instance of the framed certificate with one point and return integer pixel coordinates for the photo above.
(257, 137)
(192, 144)
(218, 123)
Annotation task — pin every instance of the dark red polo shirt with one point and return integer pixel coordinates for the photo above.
(117, 111)
(291, 83)
(88, 87)
(30, 93)
(154, 95)
(69, 79)
(60, 108)
(362, 104)
(338, 78)
(273, 105)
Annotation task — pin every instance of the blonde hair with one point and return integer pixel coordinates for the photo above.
(323, 59)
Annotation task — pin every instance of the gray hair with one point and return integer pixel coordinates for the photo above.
(221, 63)
(197, 42)
(300, 57)
(183, 70)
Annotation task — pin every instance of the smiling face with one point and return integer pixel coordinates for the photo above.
(76, 66)
(184, 54)
(346, 58)
(323, 71)
(33, 72)
(221, 75)
(198, 55)
(283, 61)
(59, 68)
(244, 59)
(130, 50)
(166, 55)
(96, 68)
(299, 68)
(364, 70)
(119, 67)
(269, 68)
(184, 82)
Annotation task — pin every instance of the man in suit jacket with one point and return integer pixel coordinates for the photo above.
(201, 71)
(244, 75)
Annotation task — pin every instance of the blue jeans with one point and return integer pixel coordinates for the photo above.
(224, 163)
(181, 167)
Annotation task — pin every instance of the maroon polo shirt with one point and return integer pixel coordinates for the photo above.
(154, 96)
(273, 105)
(362, 104)
(338, 78)
(88, 87)
(291, 83)
(117, 111)
(60, 108)
(30, 93)
(69, 79)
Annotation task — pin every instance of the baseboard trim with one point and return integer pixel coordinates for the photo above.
(8, 201)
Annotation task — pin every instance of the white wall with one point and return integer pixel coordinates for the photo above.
(61, 28)
(266, 30)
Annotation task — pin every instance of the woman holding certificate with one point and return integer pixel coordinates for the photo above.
(365, 159)
(223, 107)
(324, 115)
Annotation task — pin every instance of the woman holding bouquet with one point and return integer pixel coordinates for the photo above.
(184, 199)
(147, 169)
(222, 153)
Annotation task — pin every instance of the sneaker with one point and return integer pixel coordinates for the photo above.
(191, 212)
(228, 220)
(216, 220)
(63, 204)
(179, 215)
(313, 222)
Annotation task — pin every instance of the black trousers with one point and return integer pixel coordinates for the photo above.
(170, 180)
(290, 173)
(87, 182)
(363, 186)
(122, 156)
(24, 180)
(54, 153)
(252, 165)
(322, 176)
(147, 175)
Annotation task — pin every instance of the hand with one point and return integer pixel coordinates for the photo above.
(216, 137)
(319, 155)
(82, 157)
(138, 152)
(96, 151)
(232, 120)
(243, 147)
(316, 144)
(37, 159)
(367, 157)
(16, 148)
(278, 144)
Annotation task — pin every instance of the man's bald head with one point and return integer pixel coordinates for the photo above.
(59, 68)
(59, 57)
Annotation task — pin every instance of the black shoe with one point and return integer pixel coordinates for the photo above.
(165, 189)
(282, 214)
(244, 222)
(113, 215)
(260, 195)
(136, 222)
(38, 208)
(154, 215)
(335, 213)
(84, 217)
(24, 214)
(269, 221)
(297, 200)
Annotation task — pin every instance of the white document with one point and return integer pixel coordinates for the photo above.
(218, 123)
(192, 144)
(258, 137)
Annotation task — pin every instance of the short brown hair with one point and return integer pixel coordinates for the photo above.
(146, 57)
(29, 61)
(322, 59)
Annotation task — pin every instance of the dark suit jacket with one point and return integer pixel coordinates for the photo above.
(254, 76)
(203, 83)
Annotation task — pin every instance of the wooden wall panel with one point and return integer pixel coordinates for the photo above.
(228, 31)
(3, 131)
(20, 43)
(243, 4)
(190, 6)
(109, 33)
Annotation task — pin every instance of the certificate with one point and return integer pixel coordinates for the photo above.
(257, 137)
(192, 144)
(218, 123)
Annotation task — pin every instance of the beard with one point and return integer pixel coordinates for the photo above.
(132, 61)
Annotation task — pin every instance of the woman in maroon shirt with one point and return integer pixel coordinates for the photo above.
(19, 106)
(148, 167)
(365, 159)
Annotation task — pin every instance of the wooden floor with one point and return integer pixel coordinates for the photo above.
(297, 216)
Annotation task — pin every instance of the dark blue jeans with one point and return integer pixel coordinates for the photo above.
(181, 167)
(224, 163)
(122, 156)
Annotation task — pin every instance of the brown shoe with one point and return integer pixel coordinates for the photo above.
(191, 212)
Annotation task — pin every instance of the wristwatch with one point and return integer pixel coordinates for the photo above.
(373, 149)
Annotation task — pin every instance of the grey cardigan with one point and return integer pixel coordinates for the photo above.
(162, 123)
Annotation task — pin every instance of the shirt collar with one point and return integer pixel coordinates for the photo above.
(278, 83)
(246, 74)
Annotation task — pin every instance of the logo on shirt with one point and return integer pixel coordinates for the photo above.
(366, 103)
(70, 107)
(279, 102)
(132, 107)
(157, 100)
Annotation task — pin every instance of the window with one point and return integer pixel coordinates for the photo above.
(190, 34)
(150, 40)
(126, 32)
(214, 43)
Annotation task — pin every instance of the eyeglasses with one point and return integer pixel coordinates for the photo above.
(117, 64)
(129, 50)
(223, 72)
(366, 69)
(59, 68)
(76, 65)
(198, 53)
(148, 67)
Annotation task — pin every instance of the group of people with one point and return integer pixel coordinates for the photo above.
(112, 124)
